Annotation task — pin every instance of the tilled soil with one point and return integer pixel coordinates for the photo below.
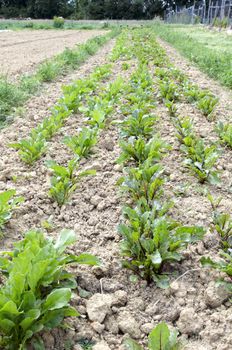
(21, 51)
(113, 306)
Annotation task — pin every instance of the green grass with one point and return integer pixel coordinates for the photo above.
(13, 96)
(48, 24)
(210, 50)
(10, 95)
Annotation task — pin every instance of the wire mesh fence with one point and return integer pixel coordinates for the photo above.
(218, 12)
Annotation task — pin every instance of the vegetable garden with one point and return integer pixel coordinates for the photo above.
(115, 211)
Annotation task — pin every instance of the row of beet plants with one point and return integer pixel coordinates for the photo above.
(96, 107)
(152, 241)
(200, 158)
(97, 110)
(34, 147)
(174, 86)
(151, 238)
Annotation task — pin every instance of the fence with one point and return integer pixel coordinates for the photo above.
(202, 13)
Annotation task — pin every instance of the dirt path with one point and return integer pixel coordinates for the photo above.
(21, 51)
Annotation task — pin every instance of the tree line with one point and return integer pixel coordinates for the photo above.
(87, 9)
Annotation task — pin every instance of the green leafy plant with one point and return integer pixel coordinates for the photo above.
(125, 66)
(151, 241)
(191, 92)
(86, 344)
(97, 117)
(143, 182)
(36, 293)
(201, 159)
(58, 22)
(82, 143)
(49, 126)
(225, 133)
(138, 124)
(160, 338)
(139, 150)
(32, 148)
(64, 180)
(115, 88)
(222, 223)
(184, 127)
(223, 265)
(207, 105)
(169, 90)
(8, 202)
(171, 108)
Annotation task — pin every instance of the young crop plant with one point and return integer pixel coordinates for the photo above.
(207, 105)
(83, 143)
(138, 124)
(49, 126)
(225, 133)
(37, 288)
(114, 89)
(222, 223)
(139, 150)
(171, 108)
(161, 73)
(97, 117)
(201, 159)
(151, 241)
(32, 148)
(97, 104)
(160, 338)
(146, 182)
(191, 92)
(184, 128)
(168, 90)
(8, 203)
(223, 265)
(64, 180)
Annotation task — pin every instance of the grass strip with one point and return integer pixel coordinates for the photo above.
(217, 64)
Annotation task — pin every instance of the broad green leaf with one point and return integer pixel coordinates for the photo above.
(53, 318)
(159, 337)
(65, 238)
(6, 196)
(71, 312)
(6, 325)
(37, 272)
(11, 308)
(31, 316)
(84, 258)
(57, 299)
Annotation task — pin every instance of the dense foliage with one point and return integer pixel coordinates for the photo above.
(85, 9)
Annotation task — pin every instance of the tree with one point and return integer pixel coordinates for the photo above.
(96, 9)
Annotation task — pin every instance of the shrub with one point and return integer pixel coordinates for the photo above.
(58, 22)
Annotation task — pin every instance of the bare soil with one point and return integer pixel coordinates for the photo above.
(22, 50)
(94, 213)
